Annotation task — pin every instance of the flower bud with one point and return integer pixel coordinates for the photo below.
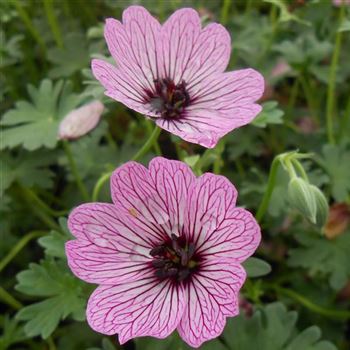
(301, 196)
(322, 208)
(80, 121)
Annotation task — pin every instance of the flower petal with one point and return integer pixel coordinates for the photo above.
(236, 238)
(219, 104)
(95, 264)
(146, 307)
(172, 180)
(227, 91)
(134, 192)
(212, 296)
(204, 126)
(219, 229)
(191, 54)
(119, 86)
(209, 200)
(107, 242)
(135, 45)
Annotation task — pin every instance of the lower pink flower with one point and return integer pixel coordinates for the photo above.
(167, 253)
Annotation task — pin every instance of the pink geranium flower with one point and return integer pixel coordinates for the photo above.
(167, 253)
(175, 74)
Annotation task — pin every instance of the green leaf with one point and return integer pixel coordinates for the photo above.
(336, 160)
(344, 26)
(93, 146)
(10, 52)
(270, 114)
(320, 256)
(29, 169)
(35, 124)
(256, 267)
(285, 15)
(54, 242)
(70, 59)
(12, 332)
(273, 328)
(63, 292)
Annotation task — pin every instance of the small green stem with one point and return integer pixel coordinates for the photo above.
(36, 200)
(145, 148)
(336, 314)
(51, 17)
(155, 144)
(74, 170)
(268, 193)
(51, 343)
(148, 144)
(38, 211)
(225, 11)
(332, 78)
(19, 246)
(218, 160)
(28, 23)
(9, 299)
(100, 182)
(309, 97)
(293, 98)
(301, 170)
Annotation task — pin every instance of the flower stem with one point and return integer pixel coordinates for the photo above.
(155, 144)
(152, 140)
(268, 193)
(100, 182)
(331, 80)
(19, 246)
(336, 314)
(28, 23)
(309, 97)
(9, 299)
(148, 144)
(74, 170)
(51, 18)
(225, 11)
(37, 210)
(36, 200)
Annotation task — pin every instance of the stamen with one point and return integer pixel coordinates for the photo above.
(174, 259)
(169, 100)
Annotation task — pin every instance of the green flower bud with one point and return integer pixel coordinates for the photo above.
(322, 207)
(301, 196)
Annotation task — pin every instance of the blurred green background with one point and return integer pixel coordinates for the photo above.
(302, 47)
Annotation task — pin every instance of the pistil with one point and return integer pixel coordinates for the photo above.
(174, 259)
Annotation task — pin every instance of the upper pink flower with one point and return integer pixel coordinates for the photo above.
(175, 74)
(167, 253)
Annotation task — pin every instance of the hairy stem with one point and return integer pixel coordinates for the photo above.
(268, 193)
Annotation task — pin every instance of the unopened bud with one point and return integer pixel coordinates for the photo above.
(322, 207)
(80, 121)
(301, 196)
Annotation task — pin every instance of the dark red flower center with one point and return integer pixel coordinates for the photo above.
(174, 259)
(169, 100)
